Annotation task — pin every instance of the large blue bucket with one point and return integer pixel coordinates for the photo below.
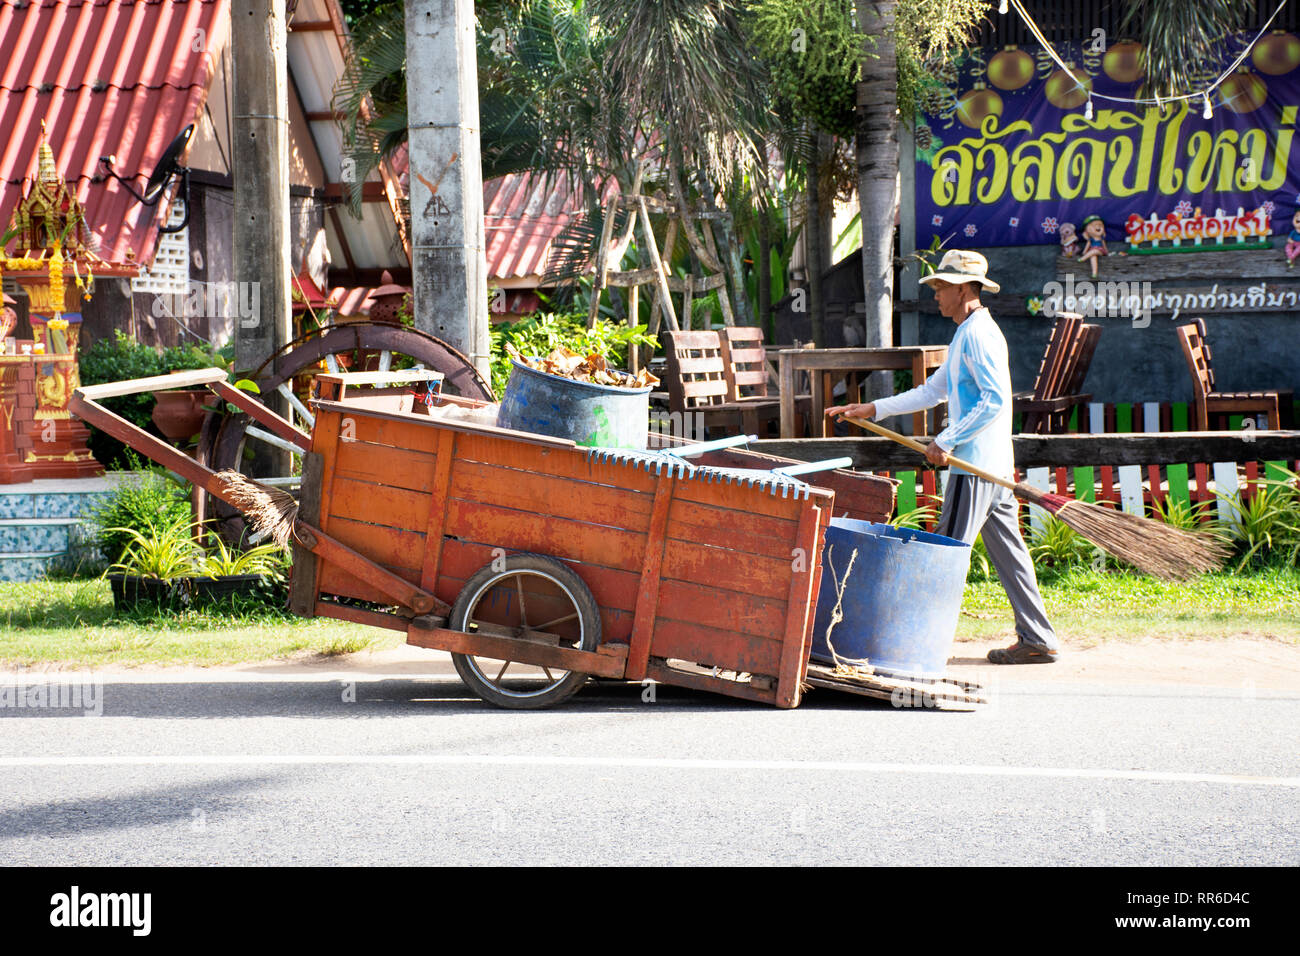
(901, 601)
(602, 415)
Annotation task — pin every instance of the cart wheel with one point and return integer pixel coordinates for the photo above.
(535, 596)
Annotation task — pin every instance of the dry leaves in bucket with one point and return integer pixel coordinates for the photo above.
(592, 368)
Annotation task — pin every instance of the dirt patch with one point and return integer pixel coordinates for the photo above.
(1240, 663)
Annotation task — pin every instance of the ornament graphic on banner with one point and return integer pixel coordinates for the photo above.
(1011, 69)
(977, 104)
(1243, 92)
(1277, 54)
(1123, 62)
(1068, 92)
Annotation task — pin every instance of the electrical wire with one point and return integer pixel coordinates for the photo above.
(1152, 101)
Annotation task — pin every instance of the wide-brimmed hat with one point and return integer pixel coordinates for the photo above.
(958, 266)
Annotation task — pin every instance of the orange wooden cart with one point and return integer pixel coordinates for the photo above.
(536, 562)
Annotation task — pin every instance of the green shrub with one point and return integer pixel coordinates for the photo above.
(1265, 528)
(121, 358)
(1057, 546)
(155, 500)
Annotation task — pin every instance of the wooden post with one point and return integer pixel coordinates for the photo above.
(661, 273)
(633, 320)
(448, 264)
(261, 177)
(602, 264)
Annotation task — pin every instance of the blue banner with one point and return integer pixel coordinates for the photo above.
(1006, 154)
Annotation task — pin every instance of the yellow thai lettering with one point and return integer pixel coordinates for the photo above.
(953, 172)
(1171, 173)
(1078, 173)
(1032, 165)
(991, 187)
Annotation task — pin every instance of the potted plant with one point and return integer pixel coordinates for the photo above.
(153, 565)
(223, 572)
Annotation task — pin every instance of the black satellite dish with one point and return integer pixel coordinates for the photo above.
(168, 166)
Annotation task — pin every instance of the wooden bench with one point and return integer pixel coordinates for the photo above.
(1207, 402)
(1065, 364)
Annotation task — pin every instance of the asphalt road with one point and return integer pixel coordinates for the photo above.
(257, 769)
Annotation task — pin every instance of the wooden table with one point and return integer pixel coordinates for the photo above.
(826, 366)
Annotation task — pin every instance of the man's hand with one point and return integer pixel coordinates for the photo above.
(867, 411)
(936, 455)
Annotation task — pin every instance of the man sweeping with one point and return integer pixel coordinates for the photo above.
(975, 381)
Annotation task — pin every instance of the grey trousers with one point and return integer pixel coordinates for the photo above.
(973, 506)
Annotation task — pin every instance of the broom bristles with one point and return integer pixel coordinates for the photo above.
(1151, 546)
(270, 511)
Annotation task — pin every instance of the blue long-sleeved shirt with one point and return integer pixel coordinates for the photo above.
(975, 381)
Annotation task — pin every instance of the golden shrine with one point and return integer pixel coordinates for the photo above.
(40, 438)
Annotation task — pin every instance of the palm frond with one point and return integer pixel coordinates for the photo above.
(1182, 40)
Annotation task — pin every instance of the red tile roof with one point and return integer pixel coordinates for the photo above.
(108, 77)
(523, 213)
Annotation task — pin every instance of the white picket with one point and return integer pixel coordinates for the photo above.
(1096, 418)
(1225, 483)
(1039, 478)
(1130, 488)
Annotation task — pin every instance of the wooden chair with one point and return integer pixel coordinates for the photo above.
(698, 382)
(1208, 402)
(747, 374)
(1065, 365)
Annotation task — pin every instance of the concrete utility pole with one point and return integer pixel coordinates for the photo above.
(449, 271)
(261, 173)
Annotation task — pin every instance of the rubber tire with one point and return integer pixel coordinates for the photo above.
(588, 614)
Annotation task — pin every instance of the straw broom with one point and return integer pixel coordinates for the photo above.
(270, 511)
(1151, 546)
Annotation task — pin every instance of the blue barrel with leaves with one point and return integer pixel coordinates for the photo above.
(598, 415)
(899, 599)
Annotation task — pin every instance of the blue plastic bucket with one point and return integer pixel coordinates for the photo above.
(901, 601)
(602, 415)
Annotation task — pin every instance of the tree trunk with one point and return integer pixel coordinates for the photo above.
(763, 273)
(728, 250)
(812, 242)
(877, 146)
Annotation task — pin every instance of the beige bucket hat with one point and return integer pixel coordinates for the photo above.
(958, 266)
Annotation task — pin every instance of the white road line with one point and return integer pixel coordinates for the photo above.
(669, 763)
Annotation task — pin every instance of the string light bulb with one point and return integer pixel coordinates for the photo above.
(1087, 110)
(1002, 7)
(1208, 112)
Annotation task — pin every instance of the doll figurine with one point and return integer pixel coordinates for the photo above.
(1069, 239)
(1094, 233)
(1293, 241)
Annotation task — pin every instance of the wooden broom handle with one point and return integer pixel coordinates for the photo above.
(915, 445)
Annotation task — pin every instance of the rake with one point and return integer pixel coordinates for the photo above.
(1150, 546)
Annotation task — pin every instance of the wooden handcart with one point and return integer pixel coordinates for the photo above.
(535, 562)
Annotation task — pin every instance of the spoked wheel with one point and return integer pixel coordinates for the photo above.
(526, 597)
(358, 346)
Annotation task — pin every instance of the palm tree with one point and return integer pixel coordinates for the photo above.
(586, 90)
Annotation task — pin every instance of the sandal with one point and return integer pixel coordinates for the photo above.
(1021, 653)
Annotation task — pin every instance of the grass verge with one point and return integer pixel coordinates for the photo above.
(72, 624)
(1088, 607)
